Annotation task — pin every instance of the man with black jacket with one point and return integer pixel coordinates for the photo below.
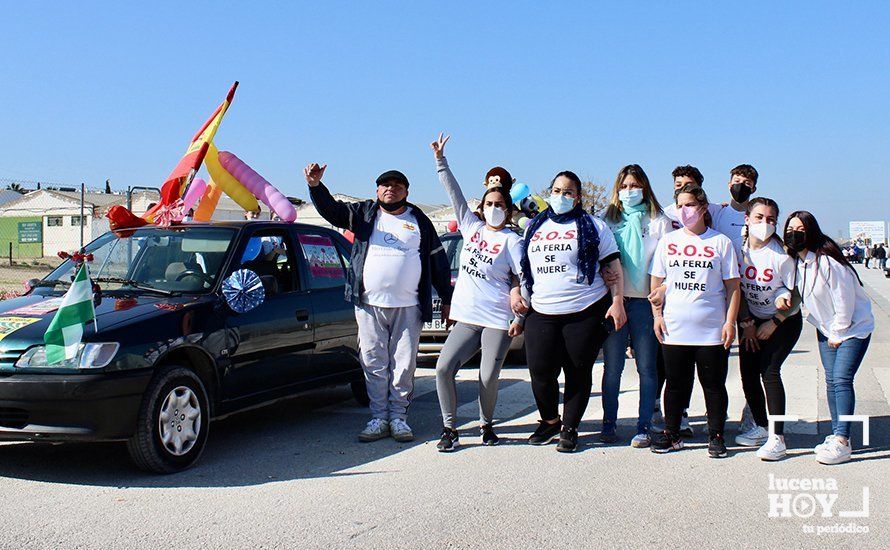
(397, 258)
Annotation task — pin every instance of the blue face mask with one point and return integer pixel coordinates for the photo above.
(630, 197)
(560, 204)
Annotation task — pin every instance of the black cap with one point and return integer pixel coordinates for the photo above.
(392, 175)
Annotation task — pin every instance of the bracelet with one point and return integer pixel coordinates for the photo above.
(776, 320)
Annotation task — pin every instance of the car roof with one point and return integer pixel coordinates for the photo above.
(239, 224)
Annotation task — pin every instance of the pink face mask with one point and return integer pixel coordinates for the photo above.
(689, 215)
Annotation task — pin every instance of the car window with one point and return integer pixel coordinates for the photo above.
(183, 259)
(267, 253)
(323, 261)
(452, 249)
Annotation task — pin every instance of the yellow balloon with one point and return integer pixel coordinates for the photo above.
(228, 183)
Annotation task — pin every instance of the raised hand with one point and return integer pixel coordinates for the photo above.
(314, 173)
(438, 146)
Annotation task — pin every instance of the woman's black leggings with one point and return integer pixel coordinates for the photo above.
(571, 343)
(679, 367)
(766, 364)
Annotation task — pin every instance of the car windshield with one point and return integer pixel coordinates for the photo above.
(180, 259)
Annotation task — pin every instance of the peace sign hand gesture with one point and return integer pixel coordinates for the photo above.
(438, 146)
(314, 173)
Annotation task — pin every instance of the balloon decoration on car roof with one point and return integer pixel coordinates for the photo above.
(182, 192)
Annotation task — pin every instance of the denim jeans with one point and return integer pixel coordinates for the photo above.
(645, 346)
(840, 366)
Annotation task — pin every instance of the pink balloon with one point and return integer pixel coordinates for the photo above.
(256, 184)
(452, 226)
(195, 192)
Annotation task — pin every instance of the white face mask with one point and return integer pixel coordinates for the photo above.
(494, 216)
(630, 197)
(761, 231)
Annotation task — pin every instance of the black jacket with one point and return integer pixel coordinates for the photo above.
(359, 217)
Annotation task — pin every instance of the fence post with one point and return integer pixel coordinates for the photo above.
(82, 191)
(10, 253)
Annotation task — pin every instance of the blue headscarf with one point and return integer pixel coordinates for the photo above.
(588, 243)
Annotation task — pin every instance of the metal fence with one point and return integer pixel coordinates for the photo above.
(39, 224)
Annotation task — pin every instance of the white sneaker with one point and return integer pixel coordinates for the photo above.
(747, 423)
(641, 441)
(401, 431)
(834, 452)
(773, 449)
(824, 443)
(754, 437)
(377, 428)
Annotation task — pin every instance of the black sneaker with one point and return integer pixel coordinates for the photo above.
(545, 433)
(450, 440)
(489, 438)
(666, 442)
(608, 435)
(685, 429)
(568, 440)
(717, 447)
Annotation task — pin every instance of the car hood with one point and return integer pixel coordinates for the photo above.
(24, 320)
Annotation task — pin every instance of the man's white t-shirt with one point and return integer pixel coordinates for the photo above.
(482, 292)
(766, 275)
(694, 268)
(553, 256)
(391, 273)
(731, 223)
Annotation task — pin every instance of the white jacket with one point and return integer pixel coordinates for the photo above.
(837, 304)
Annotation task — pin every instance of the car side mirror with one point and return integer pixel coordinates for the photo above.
(243, 291)
(31, 284)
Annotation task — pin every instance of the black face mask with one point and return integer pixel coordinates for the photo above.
(740, 192)
(795, 240)
(392, 206)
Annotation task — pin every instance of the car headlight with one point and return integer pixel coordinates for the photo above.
(90, 355)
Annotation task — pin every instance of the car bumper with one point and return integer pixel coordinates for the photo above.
(431, 342)
(70, 407)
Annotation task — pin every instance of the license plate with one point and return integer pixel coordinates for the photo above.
(436, 324)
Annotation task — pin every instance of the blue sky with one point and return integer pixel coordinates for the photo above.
(800, 90)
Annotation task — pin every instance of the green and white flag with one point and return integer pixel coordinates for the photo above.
(63, 335)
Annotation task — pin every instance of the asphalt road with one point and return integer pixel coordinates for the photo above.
(293, 475)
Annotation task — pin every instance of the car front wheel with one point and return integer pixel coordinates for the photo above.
(173, 422)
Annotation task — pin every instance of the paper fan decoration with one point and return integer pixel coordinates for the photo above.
(243, 290)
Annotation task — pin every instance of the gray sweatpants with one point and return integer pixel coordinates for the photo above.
(462, 343)
(388, 338)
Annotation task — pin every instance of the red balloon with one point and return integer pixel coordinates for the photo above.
(350, 236)
(452, 226)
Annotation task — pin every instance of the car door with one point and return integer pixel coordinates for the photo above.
(271, 345)
(324, 265)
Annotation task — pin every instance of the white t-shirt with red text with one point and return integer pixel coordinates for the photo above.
(766, 275)
(482, 292)
(553, 256)
(694, 268)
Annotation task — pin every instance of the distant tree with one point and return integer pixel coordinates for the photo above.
(108, 186)
(15, 187)
(593, 195)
